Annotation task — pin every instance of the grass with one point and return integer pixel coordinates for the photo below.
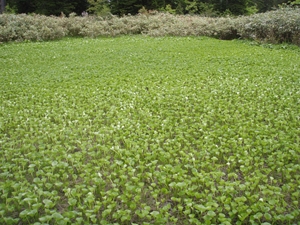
(141, 130)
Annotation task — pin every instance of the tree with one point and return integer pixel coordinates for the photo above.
(2, 6)
(236, 7)
(124, 7)
(266, 5)
(191, 6)
(295, 3)
(99, 7)
(48, 7)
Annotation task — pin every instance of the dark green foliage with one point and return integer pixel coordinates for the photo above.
(98, 7)
(124, 7)
(46, 7)
(237, 7)
(121, 7)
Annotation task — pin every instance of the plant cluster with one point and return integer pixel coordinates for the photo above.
(30, 27)
(142, 130)
(276, 26)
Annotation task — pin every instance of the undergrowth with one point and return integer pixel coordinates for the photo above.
(277, 26)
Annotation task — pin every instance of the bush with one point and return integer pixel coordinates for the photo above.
(35, 28)
(274, 26)
(277, 26)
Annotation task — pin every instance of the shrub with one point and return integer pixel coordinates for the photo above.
(36, 27)
(277, 26)
(274, 26)
(74, 25)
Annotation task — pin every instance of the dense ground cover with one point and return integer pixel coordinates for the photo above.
(140, 130)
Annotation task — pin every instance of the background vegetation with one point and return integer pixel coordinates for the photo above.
(124, 7)
(277, 26)
(142, 130)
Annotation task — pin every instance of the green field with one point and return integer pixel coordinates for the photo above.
(141, 130)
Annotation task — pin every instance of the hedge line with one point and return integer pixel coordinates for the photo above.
(282, 25)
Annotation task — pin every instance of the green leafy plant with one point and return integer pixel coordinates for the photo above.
(144, 130)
